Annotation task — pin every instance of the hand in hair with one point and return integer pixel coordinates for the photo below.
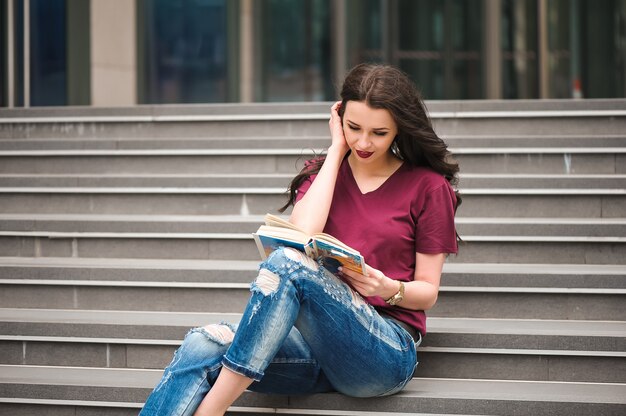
(335, 124)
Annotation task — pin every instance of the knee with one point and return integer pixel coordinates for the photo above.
(281, 264)
(207, 341)
(285, 255)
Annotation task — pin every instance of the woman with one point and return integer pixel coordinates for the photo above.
(384, 188)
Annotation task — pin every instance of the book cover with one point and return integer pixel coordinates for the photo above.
(320, 247)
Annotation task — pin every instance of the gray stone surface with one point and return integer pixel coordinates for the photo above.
(530, 163)
(480, 304)
(491, 161)
(481, 248)
(559, 318)
(149, 356)
(530, 306)
(70, 354)
(212, 202)
(12, 352)
(541, 252)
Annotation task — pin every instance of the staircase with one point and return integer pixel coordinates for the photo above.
(122, 228)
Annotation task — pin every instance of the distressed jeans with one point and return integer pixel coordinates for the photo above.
(303, 331)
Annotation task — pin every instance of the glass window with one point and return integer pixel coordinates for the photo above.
(18, 39)
(3, 55)
(48, 53)
(439, 46)
(519, 49)
(603, 46)
(363, 31)
(295, 50)
(559, 51)
(184, 51)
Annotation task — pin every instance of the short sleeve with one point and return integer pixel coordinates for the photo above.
(306, 184)
(304, 187)
(435, 231)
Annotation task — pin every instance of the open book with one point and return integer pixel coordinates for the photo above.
(333, 253)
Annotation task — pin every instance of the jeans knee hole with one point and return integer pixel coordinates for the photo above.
(222, 334)
(267, 282)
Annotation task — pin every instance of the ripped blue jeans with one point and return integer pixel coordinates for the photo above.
(303, 331)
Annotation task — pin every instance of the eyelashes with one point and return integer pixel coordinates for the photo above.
(376, 133)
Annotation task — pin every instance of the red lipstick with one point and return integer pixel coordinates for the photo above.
(364, 155)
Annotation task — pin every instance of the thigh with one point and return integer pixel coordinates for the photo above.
(293, 370)
(361, 353)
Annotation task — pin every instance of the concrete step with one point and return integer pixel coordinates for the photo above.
(577, 160)
(568, 203)
(169, 328)
(489, 248)
(441, 362)
(281, 180)
(469, 228)
(122, 388)
(300, 120)
(513, 275)
(312, 142)
(465, 348)
(469, 301)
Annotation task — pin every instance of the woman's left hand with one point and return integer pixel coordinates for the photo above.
(375, 283)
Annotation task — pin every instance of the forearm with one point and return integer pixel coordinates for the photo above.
(311, 212)
(418, 294)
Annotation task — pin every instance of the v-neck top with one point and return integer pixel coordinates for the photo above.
(412, 211)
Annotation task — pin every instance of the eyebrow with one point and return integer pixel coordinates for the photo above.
(375, 129)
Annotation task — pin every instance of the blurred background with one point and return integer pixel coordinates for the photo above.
(129, 52)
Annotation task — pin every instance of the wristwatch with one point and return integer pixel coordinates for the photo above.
(397, 298)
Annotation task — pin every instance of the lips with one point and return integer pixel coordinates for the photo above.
(364, 155)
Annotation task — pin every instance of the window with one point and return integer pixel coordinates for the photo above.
(183, 51)
(295, 50)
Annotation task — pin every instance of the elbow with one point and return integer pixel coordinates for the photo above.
(430, 302)
(431, 293)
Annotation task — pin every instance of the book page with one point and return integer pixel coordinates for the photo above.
(329, 239)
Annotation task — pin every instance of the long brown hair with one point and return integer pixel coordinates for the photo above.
(386, 87)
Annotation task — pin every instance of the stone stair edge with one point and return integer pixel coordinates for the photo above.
(471, 389)
(321, 107)
(251, 265)
(259, 218)
(570, 327)
(454, 141)
(466, 184)
(89, 235)
(281, 191)
(432, 105)
(462, 175)
(293, 152)
(471, 229)
(619, 291)
(531, 351)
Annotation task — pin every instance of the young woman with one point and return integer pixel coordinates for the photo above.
(384, 188)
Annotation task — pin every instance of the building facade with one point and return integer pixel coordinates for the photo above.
(129, 52)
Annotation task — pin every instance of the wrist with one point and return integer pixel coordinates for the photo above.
(336, 152)
(397, 295)
(391, 287)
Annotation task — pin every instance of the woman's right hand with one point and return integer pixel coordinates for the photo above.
(338, 140)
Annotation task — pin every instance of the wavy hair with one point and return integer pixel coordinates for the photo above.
(386, 87)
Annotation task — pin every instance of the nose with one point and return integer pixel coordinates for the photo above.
(364, 141)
